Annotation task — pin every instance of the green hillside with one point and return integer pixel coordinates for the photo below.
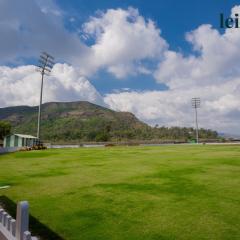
(84, 121)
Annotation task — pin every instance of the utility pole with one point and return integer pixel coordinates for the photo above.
(196, 105)
(45, 66)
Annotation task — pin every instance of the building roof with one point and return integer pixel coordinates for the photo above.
(24, 135)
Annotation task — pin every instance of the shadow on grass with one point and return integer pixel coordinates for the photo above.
(37, 228)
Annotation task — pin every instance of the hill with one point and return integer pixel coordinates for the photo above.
(72, 120)
(84, 121)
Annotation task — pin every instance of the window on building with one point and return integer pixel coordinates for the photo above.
(8, 141)
(15, 141)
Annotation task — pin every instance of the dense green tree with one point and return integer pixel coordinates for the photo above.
(5, 129)
(102, 137)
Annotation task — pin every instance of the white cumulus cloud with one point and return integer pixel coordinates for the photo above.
(123, 38)
(211, 72)
(216, 60)
(21, 86)
(220, 106)
(34, 26)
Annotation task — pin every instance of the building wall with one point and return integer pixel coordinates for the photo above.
(9, 141)
(20, 142)
(15, 141)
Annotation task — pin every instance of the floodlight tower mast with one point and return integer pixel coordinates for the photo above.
(45, 66)
(196, 105)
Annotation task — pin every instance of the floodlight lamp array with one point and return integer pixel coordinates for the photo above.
(46, 62)
(196, 102)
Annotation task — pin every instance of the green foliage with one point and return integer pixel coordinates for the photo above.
(5, 129)
(102, 137)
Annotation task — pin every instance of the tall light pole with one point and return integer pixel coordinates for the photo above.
(44, 67)
(196, 105)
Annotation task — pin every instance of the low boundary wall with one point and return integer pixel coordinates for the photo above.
(9, 149)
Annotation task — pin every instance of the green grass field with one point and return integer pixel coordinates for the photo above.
(130, 193)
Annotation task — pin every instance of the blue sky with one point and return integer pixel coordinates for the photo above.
(173, 17)
(146, 57)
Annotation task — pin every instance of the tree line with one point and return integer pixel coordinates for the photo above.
(99, 130)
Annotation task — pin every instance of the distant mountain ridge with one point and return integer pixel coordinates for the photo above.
(70, 120)
(84, 121)
(230, 135)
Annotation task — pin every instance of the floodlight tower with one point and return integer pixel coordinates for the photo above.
(196, 105)
(45, 66)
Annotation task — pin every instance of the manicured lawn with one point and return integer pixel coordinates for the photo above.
(130, 193)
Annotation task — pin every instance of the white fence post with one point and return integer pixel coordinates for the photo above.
(22, 219)
(5, 219)
(13, 227)
(27, 235)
